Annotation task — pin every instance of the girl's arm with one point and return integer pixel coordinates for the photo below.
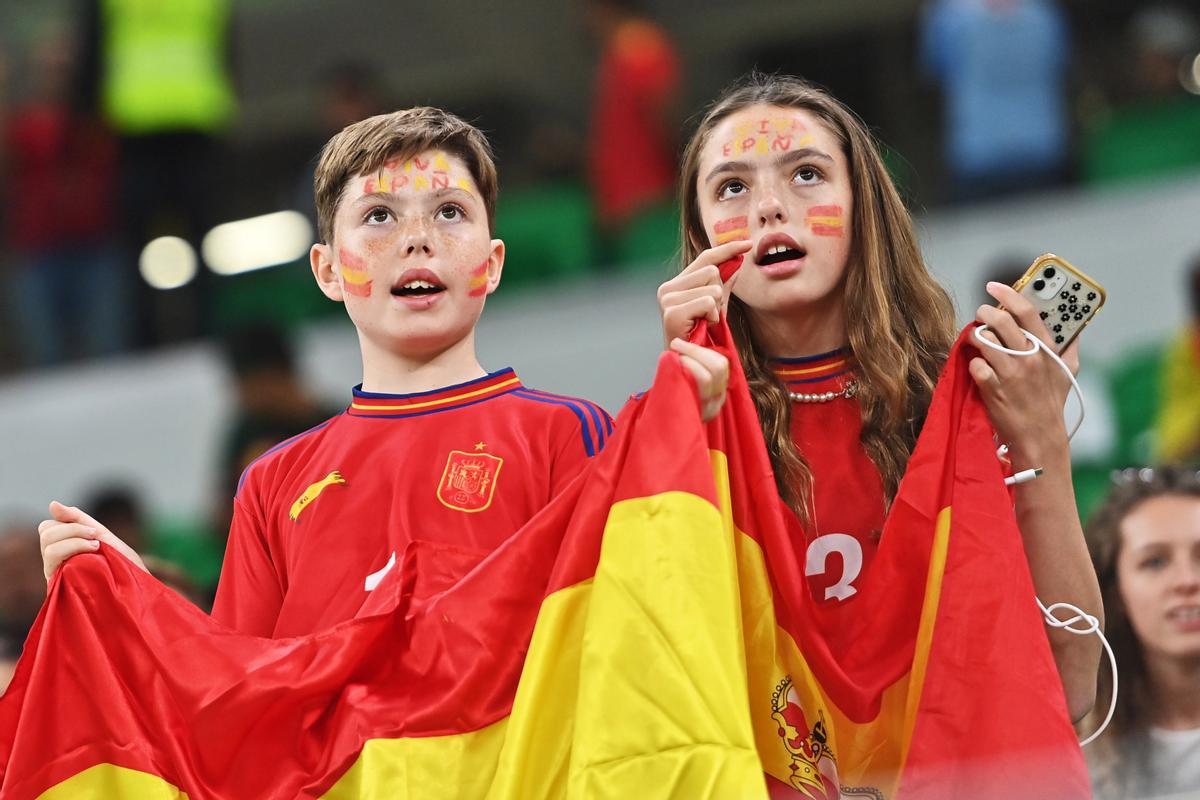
(1024, 398)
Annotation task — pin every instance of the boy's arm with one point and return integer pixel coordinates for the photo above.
(250, 592)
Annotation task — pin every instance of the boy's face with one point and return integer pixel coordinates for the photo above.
(411, 256)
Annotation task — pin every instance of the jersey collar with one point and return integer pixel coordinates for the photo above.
(802, 373)
(375, 404)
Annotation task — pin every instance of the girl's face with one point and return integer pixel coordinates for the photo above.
(777, 177)
(1158, 575)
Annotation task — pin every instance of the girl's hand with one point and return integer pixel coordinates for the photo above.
(710, 369)
(697, 292)
(1024, 395)
(72, 532)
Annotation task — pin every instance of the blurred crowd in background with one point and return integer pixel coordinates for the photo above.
(125, 139)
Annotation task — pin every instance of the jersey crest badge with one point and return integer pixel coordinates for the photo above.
(469, 480)
(311, 493)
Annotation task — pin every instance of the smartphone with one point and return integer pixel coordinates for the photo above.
(1066, 299)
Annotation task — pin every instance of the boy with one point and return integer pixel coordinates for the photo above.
(432, 448)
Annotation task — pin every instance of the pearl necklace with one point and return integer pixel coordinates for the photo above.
(849, 390)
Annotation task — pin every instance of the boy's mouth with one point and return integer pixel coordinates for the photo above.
(416, 289)
(417, 283)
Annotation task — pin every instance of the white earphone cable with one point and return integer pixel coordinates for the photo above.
(1092, 623)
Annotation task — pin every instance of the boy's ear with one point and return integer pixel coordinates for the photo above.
(326, 271)
(495, 265)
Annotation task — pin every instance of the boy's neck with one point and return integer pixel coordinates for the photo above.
(386, 372)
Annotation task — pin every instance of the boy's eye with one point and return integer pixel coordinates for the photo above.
(451, 211)
(730, 189)
(805, 175)
(378, 215)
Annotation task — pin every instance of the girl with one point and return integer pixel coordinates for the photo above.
(842, 331)
(1145, 543)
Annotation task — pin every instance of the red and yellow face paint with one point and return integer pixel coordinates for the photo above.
(428, 173)
(728, 230)
(825, 220)
(768, 135)
(355, 278)
(478, 284)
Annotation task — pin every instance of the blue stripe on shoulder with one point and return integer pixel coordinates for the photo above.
(600, 418)
(575, 407)
(280, 446)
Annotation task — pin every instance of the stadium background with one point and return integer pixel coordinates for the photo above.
(571, 316)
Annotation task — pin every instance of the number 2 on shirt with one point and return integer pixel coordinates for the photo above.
(852, 561)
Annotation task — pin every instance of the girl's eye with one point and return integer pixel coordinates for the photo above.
(1153, 562)
(730, 189)
(378, 215)
(450, 211)
(806, 175)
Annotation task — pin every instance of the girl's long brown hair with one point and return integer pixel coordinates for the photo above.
(1119, 759)
(899, 320)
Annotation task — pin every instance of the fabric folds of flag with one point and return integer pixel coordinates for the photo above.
(650, 634)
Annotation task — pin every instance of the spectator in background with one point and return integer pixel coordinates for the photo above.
(68, 292)
(1155, 129)
(1002, 66)
(1145, 543)
(158, 73)
(348, 91)
(1179, 415)
(124, 516)
(121, 511)
(22, 591)
(272, 404)
(633, 137)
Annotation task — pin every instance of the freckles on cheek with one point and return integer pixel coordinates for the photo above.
(728, 230)
(825, 220)
(355, 278)
(477, 285)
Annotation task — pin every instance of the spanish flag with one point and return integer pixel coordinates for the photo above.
(649, 635)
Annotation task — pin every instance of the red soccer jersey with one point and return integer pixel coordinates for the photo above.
(321, 518)
(847, 502)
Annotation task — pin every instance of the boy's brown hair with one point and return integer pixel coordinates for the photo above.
(363, 148)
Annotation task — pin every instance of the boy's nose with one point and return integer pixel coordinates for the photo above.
(416, 241)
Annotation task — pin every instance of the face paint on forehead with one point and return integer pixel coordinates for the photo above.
(825, 220)
(356, 280)
(728, 230)
(477, 286)
(428, 172)
(767, 135)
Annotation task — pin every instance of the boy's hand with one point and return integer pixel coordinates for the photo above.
(697, 292)
(711, 372)
(71, 532)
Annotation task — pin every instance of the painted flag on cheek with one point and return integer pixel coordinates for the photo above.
(649, 635)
